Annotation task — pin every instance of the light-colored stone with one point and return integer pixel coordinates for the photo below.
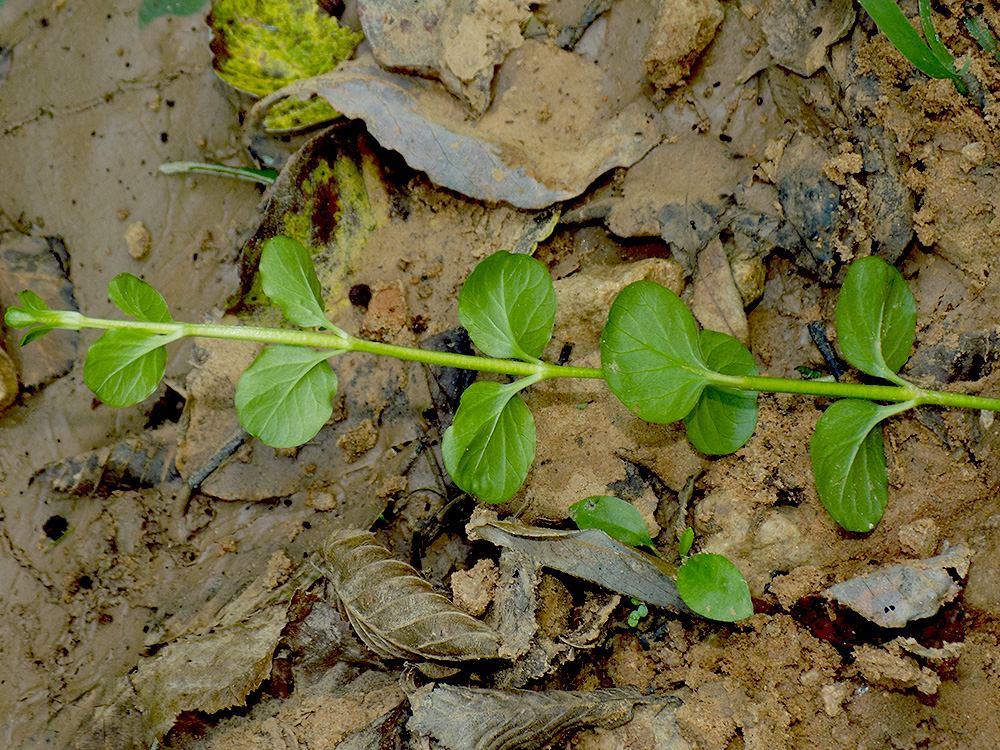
(137, 240)
(683, 28)
(920, 538)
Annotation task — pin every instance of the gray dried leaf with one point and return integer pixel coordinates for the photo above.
(206, 672)
(551, 95)
(589, 554)
(396, 612)
(476, 719)
(893, 596)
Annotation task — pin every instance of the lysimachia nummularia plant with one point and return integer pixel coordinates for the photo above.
(653, 358)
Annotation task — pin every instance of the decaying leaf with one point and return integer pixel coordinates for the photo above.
(262, 45)
(542, 141)
(206, 672)
(330, 196)
(385, 733)
(591, 555)
(476, 719)
(396, 612)
(893, 596)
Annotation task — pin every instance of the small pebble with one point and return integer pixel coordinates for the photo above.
(137, 240)
(974, 152)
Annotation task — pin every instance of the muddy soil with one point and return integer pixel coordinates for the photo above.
(179, 598)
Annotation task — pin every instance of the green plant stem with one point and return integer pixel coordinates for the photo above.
(535, 370)
(893, 393)
(345, 343)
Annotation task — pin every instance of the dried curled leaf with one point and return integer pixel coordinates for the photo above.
(589, 554)
(894, 596)
(396, 612)
(475, 719)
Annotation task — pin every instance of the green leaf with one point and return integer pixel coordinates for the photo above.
(491, 444)
(508, 306)
(150, 10)
(286, 395)
(890, 19)
(714, 588)
(261, 46)
(848, 463)
(615, 517)
(687, 539)
(876, 318)
(36, 333)
(135, 297)
(289, 279)
(32, 302)
(724, 418)
(650, 354)
(124, 366)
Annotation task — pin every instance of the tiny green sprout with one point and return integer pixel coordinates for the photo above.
(931, 56)
(686, 540)
(653, 359)
(640, 611)
(711, 585)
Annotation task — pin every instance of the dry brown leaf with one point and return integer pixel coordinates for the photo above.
(547, 137)
(475, 719)
(894, 596)
(396, 612)
(589, 554)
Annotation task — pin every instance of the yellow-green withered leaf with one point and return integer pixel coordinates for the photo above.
(260, 46)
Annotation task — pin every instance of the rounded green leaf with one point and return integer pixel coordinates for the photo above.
(286, 395)
(650, 354)
(848, 461)
(618, 519)
(508, 306)
(876, 318)
(124, 366)
(490, 446)
(724, 418)
(289, 279)
(135, 297)
(714, 588)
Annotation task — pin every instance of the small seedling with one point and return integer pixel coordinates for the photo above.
(653, 358)
(709, 584)
(640, 611)
(931, 56)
